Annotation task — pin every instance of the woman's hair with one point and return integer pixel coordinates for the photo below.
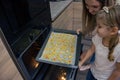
(111, 17)
(88, 20)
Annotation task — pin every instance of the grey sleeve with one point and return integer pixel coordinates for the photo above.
(118, 58)
(117, 2)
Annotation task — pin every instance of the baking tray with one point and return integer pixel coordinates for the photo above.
(76, 53)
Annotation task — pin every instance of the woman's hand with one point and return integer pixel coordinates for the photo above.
(78, 31)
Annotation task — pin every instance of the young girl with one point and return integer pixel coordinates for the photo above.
(106, 45)
(89, 10)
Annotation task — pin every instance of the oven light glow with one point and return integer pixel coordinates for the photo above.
(36, 65)
(63, 78)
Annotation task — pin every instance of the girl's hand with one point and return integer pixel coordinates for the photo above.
(82, 55)
(85, 67)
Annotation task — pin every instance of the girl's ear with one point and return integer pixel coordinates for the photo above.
(114, 30)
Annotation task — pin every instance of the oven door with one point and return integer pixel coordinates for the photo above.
(53, 72)
(27, 60)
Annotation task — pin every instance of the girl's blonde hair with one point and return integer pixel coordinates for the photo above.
(112, 19)
(88, 20)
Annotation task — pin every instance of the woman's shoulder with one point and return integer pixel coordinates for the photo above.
(118, 45)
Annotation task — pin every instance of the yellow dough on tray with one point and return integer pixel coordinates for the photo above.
(61, 47)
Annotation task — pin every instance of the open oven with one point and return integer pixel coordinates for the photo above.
(26, 24)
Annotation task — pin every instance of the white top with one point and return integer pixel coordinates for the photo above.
(102, 67)
(117, 2)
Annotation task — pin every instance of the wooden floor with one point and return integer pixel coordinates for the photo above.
(70, 19)
(8, 70)
(56, 7)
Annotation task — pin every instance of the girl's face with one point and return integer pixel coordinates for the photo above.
(102, 29)
(93, 6)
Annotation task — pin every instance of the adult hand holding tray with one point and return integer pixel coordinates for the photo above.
(60, 49)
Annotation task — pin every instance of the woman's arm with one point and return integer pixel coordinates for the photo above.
(88, 55)
(116, 73)
(78, 31)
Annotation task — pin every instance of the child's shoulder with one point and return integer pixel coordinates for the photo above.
(97, 39)
(96, 36)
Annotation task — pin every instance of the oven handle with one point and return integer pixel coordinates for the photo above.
(72, 74)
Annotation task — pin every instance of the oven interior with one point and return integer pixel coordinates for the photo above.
(26, 24)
